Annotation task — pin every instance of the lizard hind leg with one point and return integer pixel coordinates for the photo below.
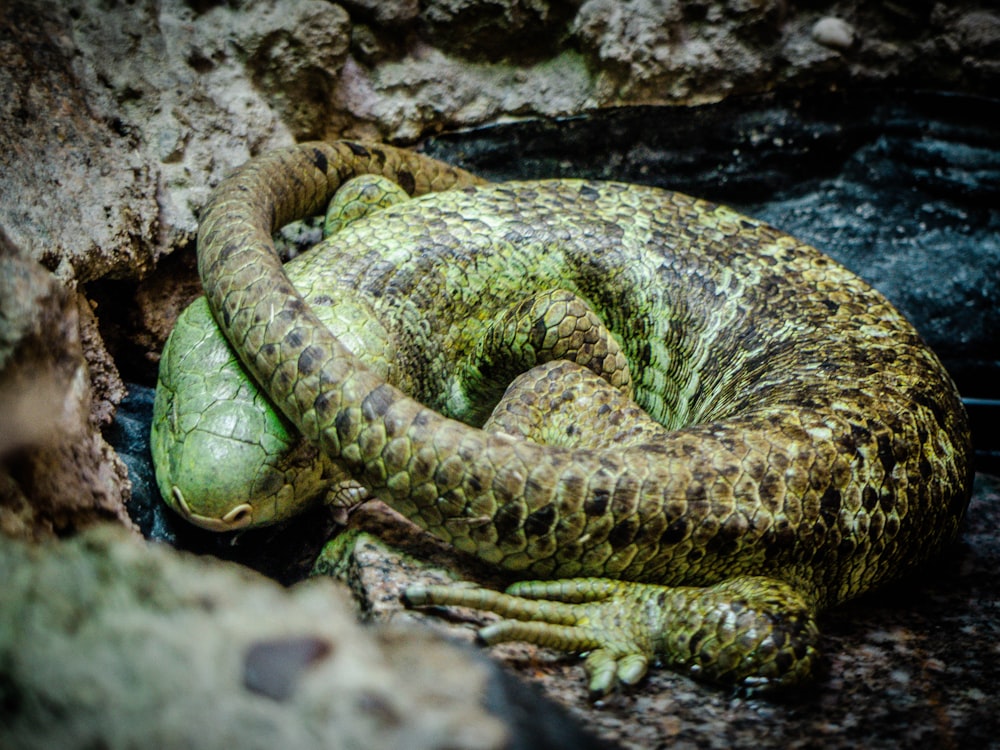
(751, 632)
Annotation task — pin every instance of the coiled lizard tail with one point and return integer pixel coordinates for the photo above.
(811, 442)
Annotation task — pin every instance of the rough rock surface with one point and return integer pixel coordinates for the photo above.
(75, 193)
(57, 474)
(132, 645)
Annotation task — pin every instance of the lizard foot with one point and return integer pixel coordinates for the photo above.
(751, 632)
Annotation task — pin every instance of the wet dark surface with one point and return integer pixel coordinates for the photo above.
(905, 191)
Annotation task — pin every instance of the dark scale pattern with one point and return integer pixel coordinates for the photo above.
(818, 443)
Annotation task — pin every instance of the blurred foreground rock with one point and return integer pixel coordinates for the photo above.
(57, 474)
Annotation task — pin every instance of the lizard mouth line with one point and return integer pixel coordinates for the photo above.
(239, 517)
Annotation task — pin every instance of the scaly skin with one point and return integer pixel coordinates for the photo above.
(225, 457)
(261, 470)
(816, 447)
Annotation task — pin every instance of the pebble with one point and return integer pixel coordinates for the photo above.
(833, 32)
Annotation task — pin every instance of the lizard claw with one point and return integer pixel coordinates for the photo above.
(607, 670)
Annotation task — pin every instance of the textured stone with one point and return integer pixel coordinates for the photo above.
(133, 645)
(383, 13)
(204, 88)
(663, 50)
(495, 29)
(979, 33)
(57, 474)
(294, 56)
(76, 195)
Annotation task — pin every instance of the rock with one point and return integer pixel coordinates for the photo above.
(834, 33)
(203, 87)
(294, 56)
(57, 473)
(495, 29)
(135, 645)
(383, 13)
(76, 193)
(653, 51)
(979, 33)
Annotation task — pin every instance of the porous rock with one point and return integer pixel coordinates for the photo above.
(76, 195)
(57, 473)
(495, 29)
(658, 51)
(133, 645)
(383, 13)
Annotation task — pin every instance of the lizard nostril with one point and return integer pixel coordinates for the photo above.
(238, 517)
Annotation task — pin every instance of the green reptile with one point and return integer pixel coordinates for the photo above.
(809, 446)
